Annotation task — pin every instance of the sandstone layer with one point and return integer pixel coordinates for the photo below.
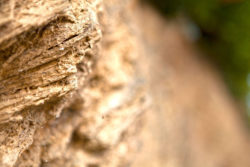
(91, 83)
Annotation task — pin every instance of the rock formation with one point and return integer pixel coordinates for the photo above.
(81, 85)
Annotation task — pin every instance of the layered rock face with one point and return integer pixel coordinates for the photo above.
(67, 98)
(76, 80)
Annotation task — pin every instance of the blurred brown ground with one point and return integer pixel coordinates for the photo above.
(194, 122)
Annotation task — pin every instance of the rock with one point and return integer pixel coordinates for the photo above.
(76, 82)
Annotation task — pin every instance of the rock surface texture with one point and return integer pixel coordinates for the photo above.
(65, 99)
(76, 80)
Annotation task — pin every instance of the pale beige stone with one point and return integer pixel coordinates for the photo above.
(88, 83)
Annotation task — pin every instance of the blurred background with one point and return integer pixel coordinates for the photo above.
(221, 29)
